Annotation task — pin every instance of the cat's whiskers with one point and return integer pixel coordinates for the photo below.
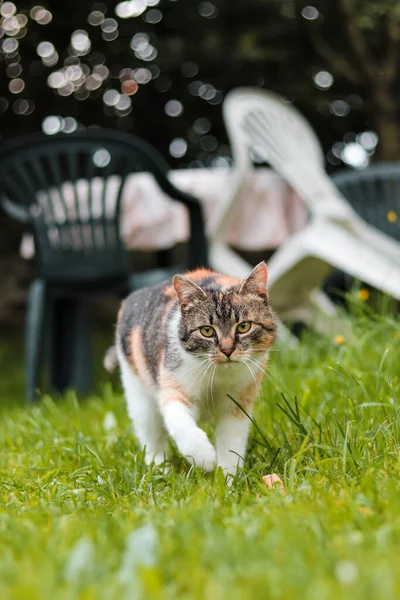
(269, 350)
(212, 385)
(207, 394)
(267, 374)
(257, 383)
(205, 365)
(202, 379)
(194, 367)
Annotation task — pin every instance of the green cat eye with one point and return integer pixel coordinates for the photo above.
(244, 327)
(207, 331)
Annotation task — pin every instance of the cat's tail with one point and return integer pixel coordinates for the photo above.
(110, 361)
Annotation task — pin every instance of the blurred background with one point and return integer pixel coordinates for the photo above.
(160, 69)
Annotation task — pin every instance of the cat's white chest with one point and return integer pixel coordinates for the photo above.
(211, 387)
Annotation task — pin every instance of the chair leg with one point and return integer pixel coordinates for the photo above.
(34, 336)
(81, 375)
(71, 357)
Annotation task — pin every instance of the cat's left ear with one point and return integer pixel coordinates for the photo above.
(187, 291)
(256, 282)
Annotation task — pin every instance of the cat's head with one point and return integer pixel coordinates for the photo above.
(227, 322)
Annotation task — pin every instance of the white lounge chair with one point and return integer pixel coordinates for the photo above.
(335, 238)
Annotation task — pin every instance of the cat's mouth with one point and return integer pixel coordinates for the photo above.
(228, 361)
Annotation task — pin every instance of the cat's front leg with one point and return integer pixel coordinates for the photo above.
(231, 435)
(232, 430)
(179, 418)
(233, 425)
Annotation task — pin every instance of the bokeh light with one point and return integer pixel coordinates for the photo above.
(80, 42)
(209, 143)
(142, 75)
(339, 108)
(45, 49)
(96, 18)
(178, 148)
(9, 46)
(109, 25)
(310, 13)
(70, 125)
(41, 15)
(207, 10)
(354, 155)
(111, 97)
(368, 139)
(189, 69)
(129, 87)
(23, 107)
(16, 85)
(323, 80)
(3, 104)
(14, 70)
(153, 16)
(8, 9)
(173, 108)
(130, 8)
(202, 125)
(52, 125)
(101, 158)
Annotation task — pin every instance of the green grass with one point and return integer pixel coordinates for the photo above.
(82, 517)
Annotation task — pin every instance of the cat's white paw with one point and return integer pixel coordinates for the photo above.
(155, 458)
(198, 450)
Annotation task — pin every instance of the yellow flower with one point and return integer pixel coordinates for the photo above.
(363, 295)
(339, 339)
(392, 216)
(365, 510)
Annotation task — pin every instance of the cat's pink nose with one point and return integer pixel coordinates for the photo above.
(227, 351)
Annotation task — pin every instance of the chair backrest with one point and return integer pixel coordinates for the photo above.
(374, 193)
(69, 188)
(261, 120)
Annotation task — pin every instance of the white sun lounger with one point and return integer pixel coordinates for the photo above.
(335, 237)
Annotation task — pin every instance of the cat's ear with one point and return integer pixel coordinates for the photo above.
(187, 291)
(256, 282)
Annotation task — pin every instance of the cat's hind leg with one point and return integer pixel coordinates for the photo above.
(144, 413)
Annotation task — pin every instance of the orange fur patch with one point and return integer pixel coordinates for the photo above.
(138, 360)
(226, 281)
(199, 274)
(170, 293)
(171, 390)
(119, 315)
(168, 309)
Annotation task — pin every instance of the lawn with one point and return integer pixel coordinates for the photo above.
(82, 517)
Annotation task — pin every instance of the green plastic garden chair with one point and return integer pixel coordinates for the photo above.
(374, 193)
(78, 246)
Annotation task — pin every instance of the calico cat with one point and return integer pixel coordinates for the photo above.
(182, 347)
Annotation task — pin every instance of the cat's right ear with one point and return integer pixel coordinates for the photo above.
(187, 291)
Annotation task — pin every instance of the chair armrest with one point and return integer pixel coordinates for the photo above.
(198, 247)
(15, 211)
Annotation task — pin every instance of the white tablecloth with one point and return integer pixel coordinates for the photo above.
(267, 213)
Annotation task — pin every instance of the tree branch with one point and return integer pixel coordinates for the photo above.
(357, 41)
(339, 65)
(389, 66)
